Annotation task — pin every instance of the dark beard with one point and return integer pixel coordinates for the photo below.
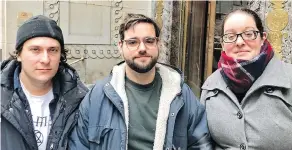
(141, 69)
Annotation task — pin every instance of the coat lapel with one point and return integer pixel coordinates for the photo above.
(274, 75)
(216, 82)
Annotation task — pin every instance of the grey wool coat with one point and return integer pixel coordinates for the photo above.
(263, 119)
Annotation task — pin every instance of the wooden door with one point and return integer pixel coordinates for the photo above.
(195, 50)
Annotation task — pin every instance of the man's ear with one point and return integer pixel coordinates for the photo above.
(158, 42)
(120, 46)
(18, 57)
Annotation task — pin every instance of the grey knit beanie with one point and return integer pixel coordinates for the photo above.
(38, 26)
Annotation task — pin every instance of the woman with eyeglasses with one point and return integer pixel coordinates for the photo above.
(249, 98)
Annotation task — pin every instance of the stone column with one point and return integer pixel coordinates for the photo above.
(164, 20)
(1, 28)
(169, 16)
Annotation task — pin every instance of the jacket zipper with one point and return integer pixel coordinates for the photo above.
(126, 135)
(66, 136)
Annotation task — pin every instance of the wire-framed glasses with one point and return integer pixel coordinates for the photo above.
(134, 43)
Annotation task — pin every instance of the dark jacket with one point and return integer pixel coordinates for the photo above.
(104, 115)
(17, 130)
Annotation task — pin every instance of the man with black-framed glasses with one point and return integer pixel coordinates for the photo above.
(143, 104)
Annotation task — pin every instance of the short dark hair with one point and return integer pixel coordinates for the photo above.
(133, 19)
(63, 58)
(255, 16)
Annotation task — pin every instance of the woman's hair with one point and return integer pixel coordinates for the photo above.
(255, 16)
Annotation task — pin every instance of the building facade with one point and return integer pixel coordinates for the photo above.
(190, 37)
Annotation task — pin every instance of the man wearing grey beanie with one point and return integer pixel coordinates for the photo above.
(40, 92)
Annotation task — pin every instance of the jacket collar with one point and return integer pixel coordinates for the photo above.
(16, 80)
(216, 82)
(171, 86)
(274, 75)
(7, 73)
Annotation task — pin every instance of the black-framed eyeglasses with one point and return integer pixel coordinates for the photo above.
(134, 43)
(246, 35)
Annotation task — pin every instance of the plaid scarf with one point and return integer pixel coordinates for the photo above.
(241, 74)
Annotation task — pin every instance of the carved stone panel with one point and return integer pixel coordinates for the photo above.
(85, 23)
(92, 52)
(52, 9)
(91, 32)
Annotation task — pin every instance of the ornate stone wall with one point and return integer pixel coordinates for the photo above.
(92, 51)
(94, 55)
(90, 30)
(277, 16)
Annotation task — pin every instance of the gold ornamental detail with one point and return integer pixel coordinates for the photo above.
(276, 21)
(159, 12)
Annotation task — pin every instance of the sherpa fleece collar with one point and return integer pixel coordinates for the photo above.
(171, 86)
